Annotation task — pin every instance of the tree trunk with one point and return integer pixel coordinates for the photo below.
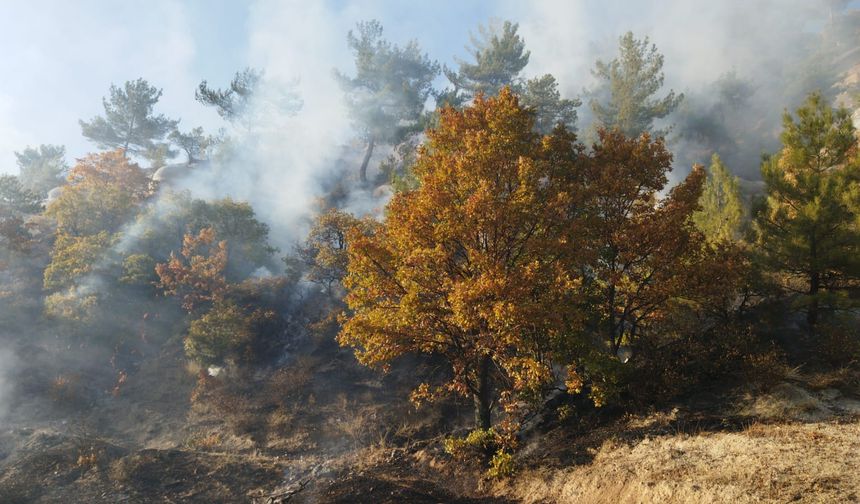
(483, 419)
(128, 138)
(362, 173)
(814, 287)
(611, 330)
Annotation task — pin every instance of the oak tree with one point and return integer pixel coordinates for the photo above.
(196, 276)
(472, 264)
(324, 251)
(103, 192)
(641, 245)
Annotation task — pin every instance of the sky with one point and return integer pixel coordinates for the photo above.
(59, 57)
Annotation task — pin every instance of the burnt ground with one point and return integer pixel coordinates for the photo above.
(321, 423)
(321, 429)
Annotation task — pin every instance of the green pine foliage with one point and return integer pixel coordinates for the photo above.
(807, 226)
(625, 98)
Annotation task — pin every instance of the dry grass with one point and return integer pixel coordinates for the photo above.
(787, 402)
(207, 442)
(811, 462)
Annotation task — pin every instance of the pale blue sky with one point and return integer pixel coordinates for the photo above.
(58, 58)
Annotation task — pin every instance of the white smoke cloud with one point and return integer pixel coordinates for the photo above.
(7, 375)
(701, 40)
(280, 162)
(762, 41)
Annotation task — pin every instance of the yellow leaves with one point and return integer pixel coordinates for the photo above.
(75, 303)
(102, 194)
(325, 249)
(425, 394)
(573, 382)
(528, 374)
(467, 264)
(74, 257)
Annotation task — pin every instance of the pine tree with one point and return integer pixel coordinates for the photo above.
(808, 226)
(232, 103)
(386, 96)
(15, 199)
(625, 98)
(129, 122)
(195, 143)
(499, 57)
(42, 169)
(541, 95)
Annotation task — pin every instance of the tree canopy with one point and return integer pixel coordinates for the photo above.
(469, 265)
(195, 144)
(499, 55)
(499, 58)
(43, 168)
(541, 94)
(642, 247)
(103, 192)
(129, 122)
(808, 226)
(16, 204)
(722, 215)
(391, 85)
(15, 199)
(625, 97)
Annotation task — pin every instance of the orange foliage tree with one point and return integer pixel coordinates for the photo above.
(103, 192)
(323, 252)
(645, 249)
(196, 277)
(230, 321)
(473, 264)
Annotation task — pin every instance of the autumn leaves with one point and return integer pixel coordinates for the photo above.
(516, 251)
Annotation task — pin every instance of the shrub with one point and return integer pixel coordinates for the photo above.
(765, 368)
(839, 340)
(501, 465)
(138, 269)
(219, 334)
(477, 443)
(76, 304)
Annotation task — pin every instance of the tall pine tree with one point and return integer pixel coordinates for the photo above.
(625, 97)
(808, 226)
(386, 96)
(129, 122)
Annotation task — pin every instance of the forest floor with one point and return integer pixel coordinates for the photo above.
(324, 430)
